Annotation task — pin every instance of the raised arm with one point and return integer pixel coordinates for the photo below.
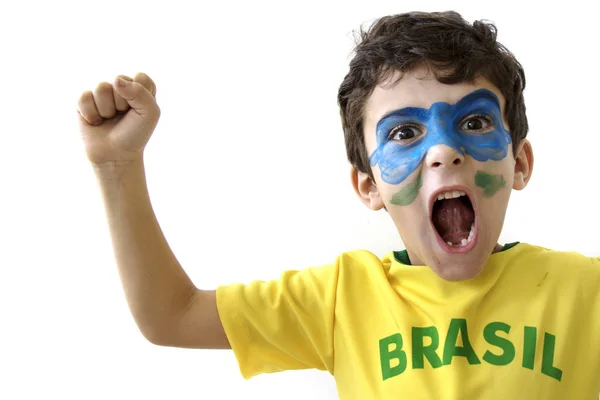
(116, 124)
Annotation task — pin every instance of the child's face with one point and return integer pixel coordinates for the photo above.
(428, 141)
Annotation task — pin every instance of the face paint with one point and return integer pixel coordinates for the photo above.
(443, 125)
(489, 183)
(408, 193)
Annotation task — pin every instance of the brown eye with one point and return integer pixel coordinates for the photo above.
(477, 124)
(474, 124)
(404, 132)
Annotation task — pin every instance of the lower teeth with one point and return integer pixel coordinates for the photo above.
(464, 242)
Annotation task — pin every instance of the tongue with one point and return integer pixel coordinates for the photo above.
(453, 219)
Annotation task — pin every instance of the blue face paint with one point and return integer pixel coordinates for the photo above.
(443, 125)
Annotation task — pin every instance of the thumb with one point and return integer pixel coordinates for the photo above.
(137, 96)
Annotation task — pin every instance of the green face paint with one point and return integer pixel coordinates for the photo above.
(489, 183)
(408, 193)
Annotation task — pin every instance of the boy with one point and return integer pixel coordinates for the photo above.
(435, 128)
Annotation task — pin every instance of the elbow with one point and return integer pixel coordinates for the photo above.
(152, 337)
(154, 340)
(155, 336)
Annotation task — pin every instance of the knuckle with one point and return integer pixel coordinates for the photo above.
(143, 79)
(104, 87)
(86, 98)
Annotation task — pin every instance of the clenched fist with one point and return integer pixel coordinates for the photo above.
(116, 120)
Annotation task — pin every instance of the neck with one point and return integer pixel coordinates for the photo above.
(414, 260)
(497, 248)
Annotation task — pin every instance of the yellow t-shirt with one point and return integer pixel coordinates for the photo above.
(526, 328)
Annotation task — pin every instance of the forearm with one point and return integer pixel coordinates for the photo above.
(156, 287)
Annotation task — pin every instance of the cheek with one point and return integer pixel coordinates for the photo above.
(405, 194)
(490, 184)
(493, 178)
(397, 194)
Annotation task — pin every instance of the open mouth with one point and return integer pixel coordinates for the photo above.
(453, 218)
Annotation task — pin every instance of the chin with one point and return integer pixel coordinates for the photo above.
(458, 271)
(459, 266)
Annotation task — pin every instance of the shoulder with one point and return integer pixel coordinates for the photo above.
(362, 266)
(565, 266)
(561, 259)
(359, 258)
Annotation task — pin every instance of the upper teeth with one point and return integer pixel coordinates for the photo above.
(453, 194)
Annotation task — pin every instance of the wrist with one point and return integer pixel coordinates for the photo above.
(117, 170)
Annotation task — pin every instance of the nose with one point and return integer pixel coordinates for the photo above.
(443, 156)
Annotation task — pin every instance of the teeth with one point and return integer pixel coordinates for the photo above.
(465, 242)
(453, 194)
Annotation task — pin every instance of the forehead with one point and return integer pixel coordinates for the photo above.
(420, 89)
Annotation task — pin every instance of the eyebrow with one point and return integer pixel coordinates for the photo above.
(406, 112)
(416, 111)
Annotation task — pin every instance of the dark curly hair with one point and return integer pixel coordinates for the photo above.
(450, 47)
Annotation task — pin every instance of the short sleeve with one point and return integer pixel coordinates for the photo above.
(284, 324)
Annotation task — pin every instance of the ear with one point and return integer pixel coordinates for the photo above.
(366, 189)
(523, 165)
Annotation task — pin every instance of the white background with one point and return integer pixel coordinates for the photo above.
(246, 171)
